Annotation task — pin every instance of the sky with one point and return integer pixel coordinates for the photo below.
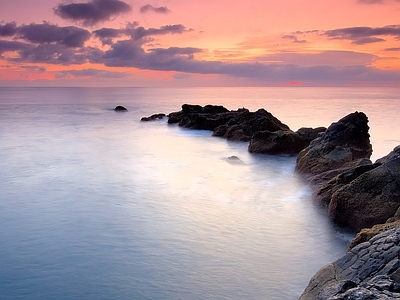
(178, 43)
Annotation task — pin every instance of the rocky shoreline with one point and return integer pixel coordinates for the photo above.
(359, 194)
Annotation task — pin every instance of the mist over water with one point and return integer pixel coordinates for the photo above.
(96, 204)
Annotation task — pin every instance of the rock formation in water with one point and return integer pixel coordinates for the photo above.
(266, 133)
(120, 108)
(368, 271)
(342, 144)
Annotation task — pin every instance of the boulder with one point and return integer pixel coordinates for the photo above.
(371, 198)
(153, 117)
(343, 143)
(368, 271)
(120, 108)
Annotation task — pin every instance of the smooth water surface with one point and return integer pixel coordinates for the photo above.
(95, 204)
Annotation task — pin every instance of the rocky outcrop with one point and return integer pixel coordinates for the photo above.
(368, 271)
(239, 125)
(120, 108)
(283, 141)
(152, 117)
(342, 144)
(371, 198)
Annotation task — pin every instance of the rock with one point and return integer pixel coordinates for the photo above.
(343, 143)
(368, 233)
(283, 141)
(371, 198)
(153, 117)
(368, 271)
(120, 108)
(237, 125)
(278, 142)
(324, 192)
(234, 160)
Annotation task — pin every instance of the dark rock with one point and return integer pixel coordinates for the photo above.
(153, 117)
(371, 198)
(343, 143)
(278, 142)
(234, 160)
(283, 141)
(368, 271)
(237, 125)
(120, 108)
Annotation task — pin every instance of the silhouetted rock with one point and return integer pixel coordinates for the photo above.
(343, 143)
(237, 125)
(120, 108)
(153, 117)
(368, 271)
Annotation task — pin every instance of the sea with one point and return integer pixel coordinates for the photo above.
(95, 204)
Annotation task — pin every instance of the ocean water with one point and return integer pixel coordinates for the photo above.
(95, 204)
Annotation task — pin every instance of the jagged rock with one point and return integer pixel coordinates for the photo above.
(343, 143)
(283, 141)
(372, 198)
(153, 117)
(120, 108)
(237, 125)
(368, 271)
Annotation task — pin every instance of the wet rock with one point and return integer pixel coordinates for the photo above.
(368, 271)
(343, 143)
(120, 108)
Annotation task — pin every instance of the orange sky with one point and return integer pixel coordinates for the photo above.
(200, 43)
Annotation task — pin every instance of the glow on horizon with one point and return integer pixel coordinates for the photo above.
(181, 43)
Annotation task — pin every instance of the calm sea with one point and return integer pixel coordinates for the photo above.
(98, 205)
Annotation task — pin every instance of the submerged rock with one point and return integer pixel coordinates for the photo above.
(120, 108)
(368, 271)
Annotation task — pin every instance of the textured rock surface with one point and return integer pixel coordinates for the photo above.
(343, 143)
(368, 271)
(372, 198)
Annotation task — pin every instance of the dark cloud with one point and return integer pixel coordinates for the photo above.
(371, 1)
(364, 35)
(47, 33)
(136, 32)
(392, 49)
(6, 46)
(92, 12)
(150, 8)
(9, 29)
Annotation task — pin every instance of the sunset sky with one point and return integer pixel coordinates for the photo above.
(199, 43)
